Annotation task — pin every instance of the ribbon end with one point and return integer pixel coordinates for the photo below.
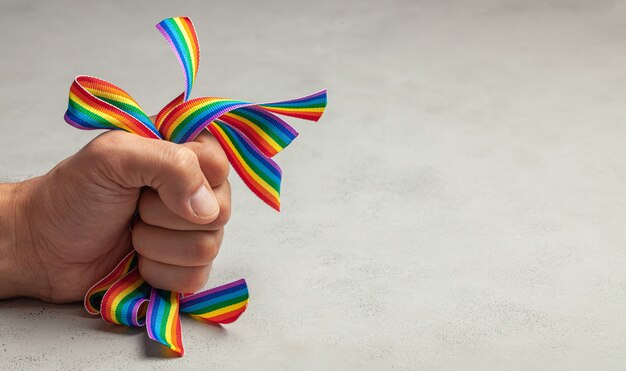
(172, 349)
(324, 95)
(219, 305)
(163, 321)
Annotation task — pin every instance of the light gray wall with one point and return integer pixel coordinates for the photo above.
(461, 205)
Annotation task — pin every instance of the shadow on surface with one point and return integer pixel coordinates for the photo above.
(154, 349)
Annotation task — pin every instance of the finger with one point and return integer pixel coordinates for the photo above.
(154, 212)
(131, 161)
(173, 277)
(211, 156)
(182, 248)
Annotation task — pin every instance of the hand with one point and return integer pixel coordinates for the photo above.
(67, 229)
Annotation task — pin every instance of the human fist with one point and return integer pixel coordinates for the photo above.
(73, 225)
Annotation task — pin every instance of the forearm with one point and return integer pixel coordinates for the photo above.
(16, 275)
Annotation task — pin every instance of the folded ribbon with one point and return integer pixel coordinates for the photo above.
(249, 133)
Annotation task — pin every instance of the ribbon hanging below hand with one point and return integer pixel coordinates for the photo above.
(249, 133)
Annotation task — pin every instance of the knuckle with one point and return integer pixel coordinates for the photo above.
(144, 269)
(107, 153)
(219, 162)
(207, 248)
(183, 158)
(192, 280)
(222, 166)
(106, 143)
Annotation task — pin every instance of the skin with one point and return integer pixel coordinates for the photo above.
(63, 231)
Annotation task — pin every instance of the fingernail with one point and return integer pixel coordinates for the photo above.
(204, 203)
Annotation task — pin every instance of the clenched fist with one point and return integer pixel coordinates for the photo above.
(63, 231)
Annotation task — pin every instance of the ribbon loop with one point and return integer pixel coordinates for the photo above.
(163, 321)
(123, 303)
(249, 133)
(182, 38)
(260, 173)
(98, 104)
(93, 298)
(223, 304)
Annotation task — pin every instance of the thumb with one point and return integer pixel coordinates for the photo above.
(172, 170)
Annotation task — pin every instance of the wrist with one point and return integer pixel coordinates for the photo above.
(19, 263)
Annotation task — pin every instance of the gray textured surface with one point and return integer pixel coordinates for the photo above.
(460, 206)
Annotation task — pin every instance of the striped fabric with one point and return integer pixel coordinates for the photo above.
(250, 134)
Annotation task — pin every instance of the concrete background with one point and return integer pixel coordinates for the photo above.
(460, 206)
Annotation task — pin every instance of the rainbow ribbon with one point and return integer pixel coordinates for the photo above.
(249, 133)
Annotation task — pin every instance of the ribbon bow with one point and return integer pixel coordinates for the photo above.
(249, 133)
